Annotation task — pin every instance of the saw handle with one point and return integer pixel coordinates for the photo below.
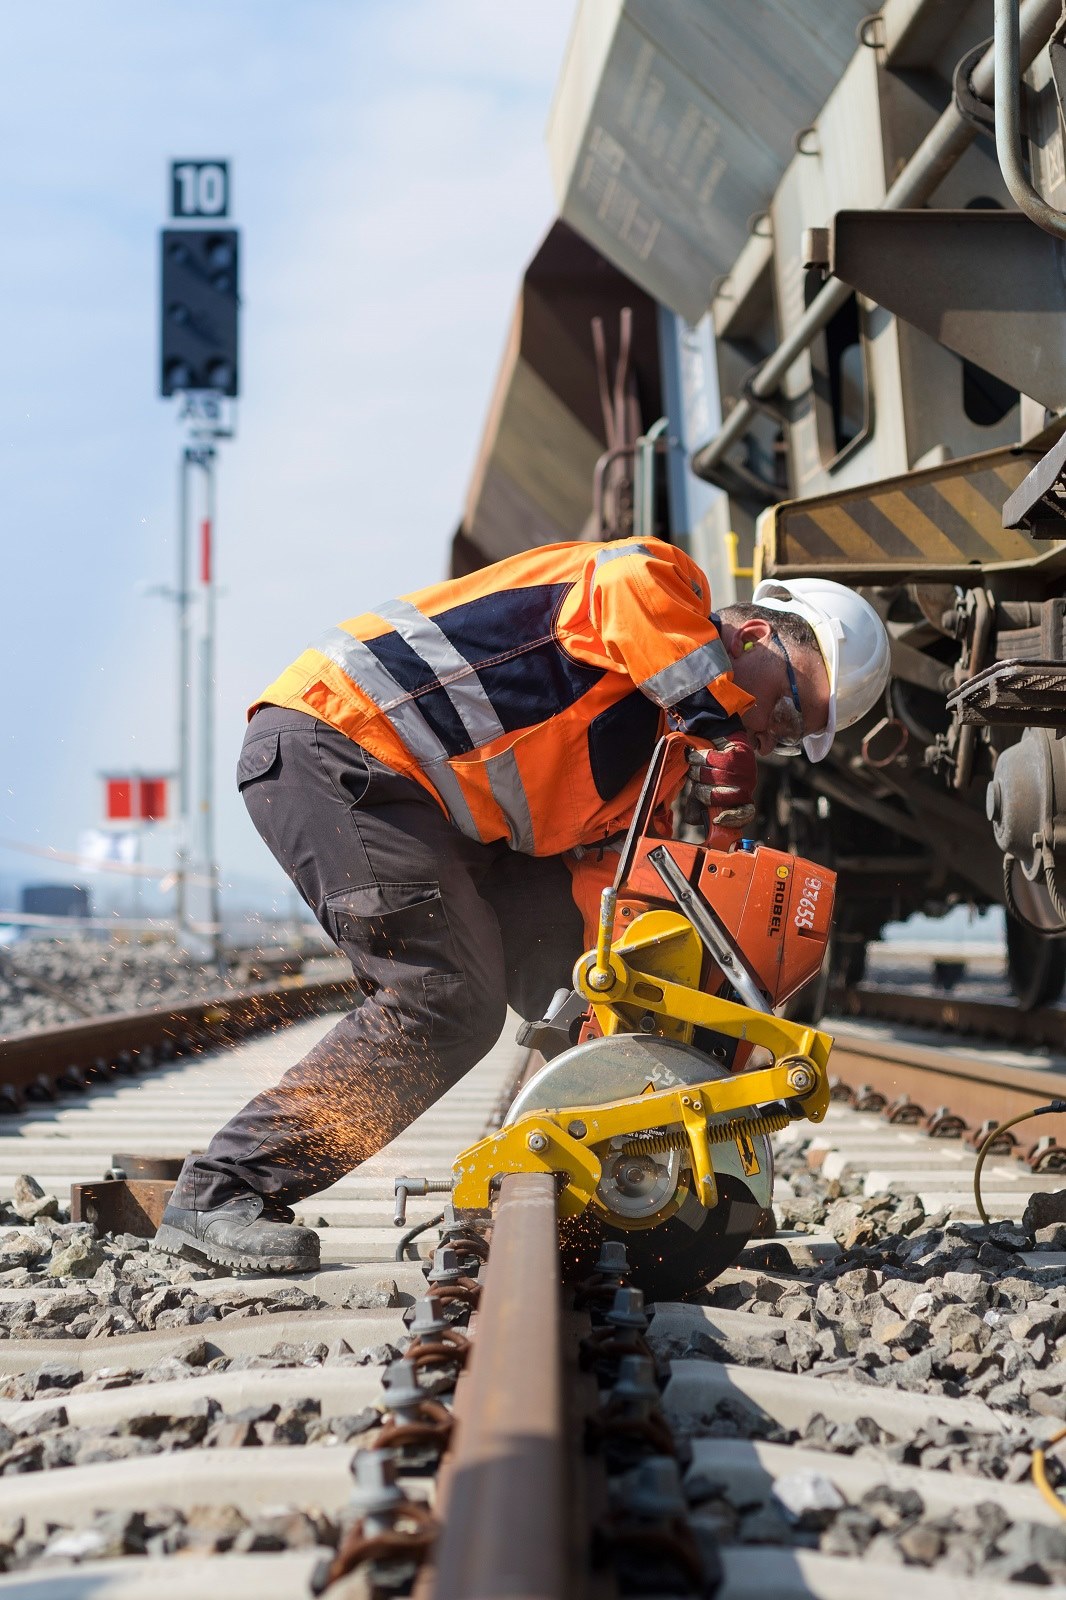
(661, 770)
(721, 838)
(600, 973)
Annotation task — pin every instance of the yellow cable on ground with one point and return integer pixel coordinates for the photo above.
(1040, 1473)
(989, 1139)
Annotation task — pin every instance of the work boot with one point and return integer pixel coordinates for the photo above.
(239, 1235)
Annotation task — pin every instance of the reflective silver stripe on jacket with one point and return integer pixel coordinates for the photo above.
(509, 793)
(457, 677)
(693, 672)
(394, 702)
(615, 552)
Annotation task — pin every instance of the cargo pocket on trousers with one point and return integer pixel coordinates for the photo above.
(448, 1005)
(258, 757)
(397, 937)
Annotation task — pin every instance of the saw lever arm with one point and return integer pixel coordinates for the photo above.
(571, 1141)
(714, 935)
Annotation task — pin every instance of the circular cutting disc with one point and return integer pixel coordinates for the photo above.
(681, 1254)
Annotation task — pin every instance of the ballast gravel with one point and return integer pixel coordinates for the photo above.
(915, 1303)
(166, 1531)
(61, 1281)
(103, 976)
(58, 1281)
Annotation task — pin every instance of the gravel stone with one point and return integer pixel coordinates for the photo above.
(893, 1508)
(43, 1422)
(349, 1427)
(810, 1500)
(849, 1533)
(288, 1530)
(841, 1217)
(969, 1287)
(794, 1306)
(213, 1528)
(1008, 1236)
(994, 1258)
(30, 1200)
(53, 1375)
(911, 1337)
(901, 1294)
(1044, 1209)
(1037, 1319)
(909, 1216)
(25, 1456)
(967, 1332)
(803, 1345)
(82, 1258)
(884, 1549)
(229, 1434)
(921, 1545)
(802, 1212)
(1052, 1237)
(768, 1524)
(869, 1354)
(22, 1249)
(381, 1295)
(862, 1233)
(913, 1373)
(732, 1296)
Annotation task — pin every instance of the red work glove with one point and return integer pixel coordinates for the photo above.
(723, 780)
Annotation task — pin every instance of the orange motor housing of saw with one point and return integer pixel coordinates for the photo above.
(776, 908)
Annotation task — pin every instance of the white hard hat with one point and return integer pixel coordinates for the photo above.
(853, 641)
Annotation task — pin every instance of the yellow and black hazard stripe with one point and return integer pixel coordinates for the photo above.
(943, 517)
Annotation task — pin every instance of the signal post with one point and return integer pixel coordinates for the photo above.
(199, 365)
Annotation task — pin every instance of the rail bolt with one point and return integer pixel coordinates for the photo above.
(613, 1258)
(627, 1310)
(446, 1268)
(653, 1490)
(428, 1318)
(376, 1490)
(403, 1392)
(636, 1380)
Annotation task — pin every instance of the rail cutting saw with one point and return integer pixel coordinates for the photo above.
(668, 1066)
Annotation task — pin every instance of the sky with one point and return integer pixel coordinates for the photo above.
(390, 180)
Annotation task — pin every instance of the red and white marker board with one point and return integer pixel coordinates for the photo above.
(136, 797)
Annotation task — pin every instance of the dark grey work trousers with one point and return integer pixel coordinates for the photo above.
(441, 933)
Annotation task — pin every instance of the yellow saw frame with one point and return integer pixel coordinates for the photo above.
(649, 975)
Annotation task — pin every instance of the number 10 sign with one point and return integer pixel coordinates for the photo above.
(199, 188)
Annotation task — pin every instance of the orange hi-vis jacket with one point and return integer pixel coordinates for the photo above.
(528, 696)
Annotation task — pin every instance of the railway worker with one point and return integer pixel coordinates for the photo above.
(431, 773)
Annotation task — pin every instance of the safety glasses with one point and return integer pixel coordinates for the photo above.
(789, 746)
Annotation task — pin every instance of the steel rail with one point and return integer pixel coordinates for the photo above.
(505, 1493)
(43, 1058)
(943, 145)
(986, 1019)
(971, 1088)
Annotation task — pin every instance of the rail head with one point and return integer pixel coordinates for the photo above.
(45, 1055)
(506, 1493)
